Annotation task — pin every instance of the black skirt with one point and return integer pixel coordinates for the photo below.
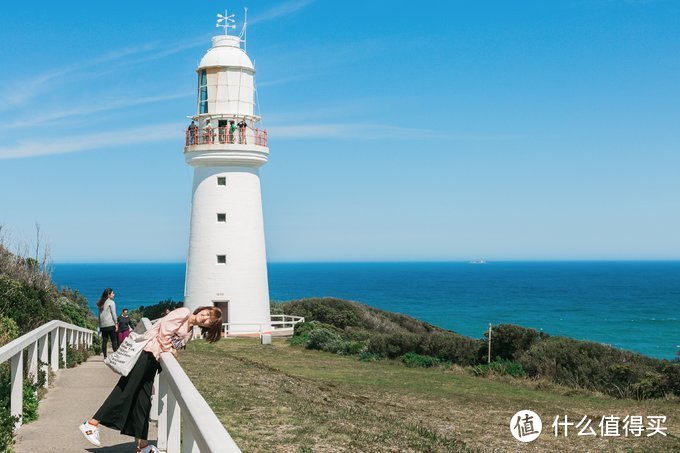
(128, 406)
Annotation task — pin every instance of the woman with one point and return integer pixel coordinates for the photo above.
(107, 320)
(123, 326)
(128, 406)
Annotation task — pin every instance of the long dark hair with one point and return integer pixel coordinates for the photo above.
(105, 295)
(213, 332)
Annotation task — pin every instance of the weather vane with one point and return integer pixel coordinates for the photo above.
(226, 21)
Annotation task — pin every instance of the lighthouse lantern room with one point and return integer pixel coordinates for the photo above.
(226, 261)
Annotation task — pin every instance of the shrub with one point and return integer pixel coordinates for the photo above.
(321, 338)
(8, 330)
(413, 360)
(499, 367)
(339, 313)
(594, 366)
(153, 311)
(30, 404)
(509, 341)
(7, 422)
(451, 346)
(366, 356)
(96, 347)
(76, 355)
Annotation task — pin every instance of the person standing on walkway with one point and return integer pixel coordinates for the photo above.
(108, 324)
(128, 407)
(123, 326)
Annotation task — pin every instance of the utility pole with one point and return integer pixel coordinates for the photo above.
(489, 357)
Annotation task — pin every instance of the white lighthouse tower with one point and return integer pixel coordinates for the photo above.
(227, 262)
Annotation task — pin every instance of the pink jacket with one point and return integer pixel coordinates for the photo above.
(172, 330)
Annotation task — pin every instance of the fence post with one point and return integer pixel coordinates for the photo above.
(489, 357)
(155, 399)
(162, 412)
(173, 424)
(44, 358)
(54, 356)
(188, 442)
(32, 359)
(64, 342)
(17, 385)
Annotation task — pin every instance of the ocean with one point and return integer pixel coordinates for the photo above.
(629, 305)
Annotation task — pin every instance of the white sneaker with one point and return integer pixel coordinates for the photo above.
(91, 433)
(148, 449)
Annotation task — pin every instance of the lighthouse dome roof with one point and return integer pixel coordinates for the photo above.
(226, 52)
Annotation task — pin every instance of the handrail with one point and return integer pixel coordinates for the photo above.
(19, 344)
(55, 335)
(180, 409)
(286, 325)
(205, 430)
(221, 135)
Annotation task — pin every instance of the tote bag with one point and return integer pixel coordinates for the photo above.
(125, 357)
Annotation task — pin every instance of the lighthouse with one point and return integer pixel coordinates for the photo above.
(227, 261)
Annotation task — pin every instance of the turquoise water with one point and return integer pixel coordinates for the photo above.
(630, 305)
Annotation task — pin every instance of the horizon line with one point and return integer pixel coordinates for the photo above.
(551, 260)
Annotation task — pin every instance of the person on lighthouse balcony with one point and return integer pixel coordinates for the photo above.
(192, 133)
(208, 131)
(242, 125)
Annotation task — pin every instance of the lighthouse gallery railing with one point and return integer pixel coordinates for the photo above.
(222, 135)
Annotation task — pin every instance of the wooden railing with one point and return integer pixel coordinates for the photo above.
(43, 346)
(185, 421)
(279, 324)
(221, 135)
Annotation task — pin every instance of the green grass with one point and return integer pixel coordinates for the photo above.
(285, 398)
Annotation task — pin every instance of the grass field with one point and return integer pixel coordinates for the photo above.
(285, 398)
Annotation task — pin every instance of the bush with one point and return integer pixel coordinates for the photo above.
(8, 330)
(30, 405)
(153, 311)
(584, 364)
(413, 360)
(366, 356)
(499, 367)
(321, 339)
(451, 347)
(339, 313)
(7, 422)
(509, 341)
(76, 355)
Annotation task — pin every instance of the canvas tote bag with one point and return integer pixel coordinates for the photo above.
(125, 357)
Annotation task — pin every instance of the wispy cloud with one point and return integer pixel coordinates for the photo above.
(371, 131)
(282, 9)
(20, 92)
(102, 140)
(84, 110)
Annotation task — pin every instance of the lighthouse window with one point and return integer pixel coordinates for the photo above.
(203, 93)
(221, 180)
(221, 217)
(221, 259)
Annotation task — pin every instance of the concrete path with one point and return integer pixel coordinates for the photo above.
(75, 396)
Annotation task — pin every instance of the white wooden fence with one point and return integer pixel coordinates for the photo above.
(186, 423)
(43, 346)
(280, 325)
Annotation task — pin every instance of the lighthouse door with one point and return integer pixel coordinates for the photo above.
(224, 306)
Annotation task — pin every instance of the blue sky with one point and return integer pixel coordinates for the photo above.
(398, 131)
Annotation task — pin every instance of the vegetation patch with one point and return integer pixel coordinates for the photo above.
(349, 328)
(289, 399)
